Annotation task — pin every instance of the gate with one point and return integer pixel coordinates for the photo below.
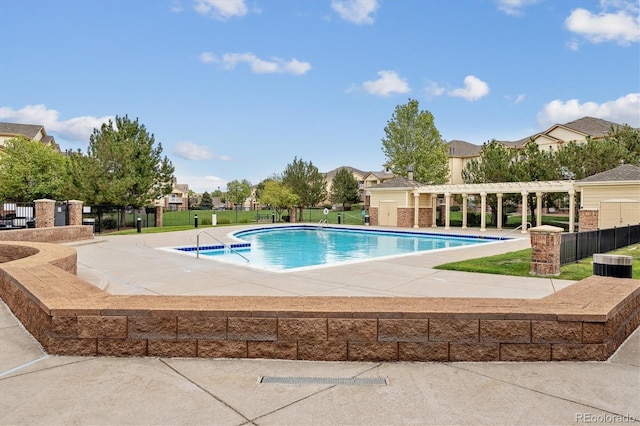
(61, 215)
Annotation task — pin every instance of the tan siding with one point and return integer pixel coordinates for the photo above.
(400, 197)
(566, 134)
(593, 195)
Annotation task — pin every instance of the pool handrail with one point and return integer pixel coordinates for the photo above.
(528, 225)
(227, 246)
(322, 223)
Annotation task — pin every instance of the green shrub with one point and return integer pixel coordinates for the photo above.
(109, 223)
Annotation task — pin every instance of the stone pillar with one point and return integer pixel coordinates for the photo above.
(45, 213)
(499, 218)
(524, 212)
(588, 219)
(483, 211)
(545, 250)
(464, 211)
(447, 210)
(75, 212)
(416, 209)
(158, 215)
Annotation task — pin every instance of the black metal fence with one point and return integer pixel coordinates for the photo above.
(580, 245)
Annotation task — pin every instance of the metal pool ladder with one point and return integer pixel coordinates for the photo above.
(226, 246)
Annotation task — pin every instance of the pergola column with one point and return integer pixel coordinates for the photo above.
(499, 218)
(538, 208)
(572, 209)
(416, 208)
(464, 211)
(483, 211)
(447, 210)
(524, 212)
(434, 210)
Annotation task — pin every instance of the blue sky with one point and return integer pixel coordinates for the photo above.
(236, 89)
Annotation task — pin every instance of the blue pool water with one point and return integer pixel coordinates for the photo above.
(293, 247)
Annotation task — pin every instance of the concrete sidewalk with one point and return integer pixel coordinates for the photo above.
(39, 389)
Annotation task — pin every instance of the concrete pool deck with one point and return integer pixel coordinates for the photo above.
(37, 388)
(105, 263)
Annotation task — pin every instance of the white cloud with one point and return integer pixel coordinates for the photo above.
(192, 151)
(355, 11)
(621, 26)
(514, 7)
(388, 83)
(257, 65)
(200, 184)
(76, 129)
(221, 9)
(433, 89)
(519, 99)
(623, 110)
(473, 89)
(208, 58)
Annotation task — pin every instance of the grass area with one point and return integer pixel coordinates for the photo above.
(518, 263)
(184, 220)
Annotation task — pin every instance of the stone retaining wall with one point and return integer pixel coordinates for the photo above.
(53, 234)
(68, 316)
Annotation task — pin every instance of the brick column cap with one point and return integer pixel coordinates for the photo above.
(74, 202)
(546, 228)
(44, 200)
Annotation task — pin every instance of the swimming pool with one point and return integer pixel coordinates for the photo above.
(288, 248)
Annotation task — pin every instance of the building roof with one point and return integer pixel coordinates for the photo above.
(591, 126)
(29, 131)
(624, 172)
(331, 174)
(397, 182)
(463, 149)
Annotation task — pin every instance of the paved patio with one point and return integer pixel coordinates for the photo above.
(106, 263)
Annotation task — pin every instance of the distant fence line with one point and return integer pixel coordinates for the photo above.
(580, 245)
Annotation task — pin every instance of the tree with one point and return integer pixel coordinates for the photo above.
(206, 203)
(534, 164)
(344, 188)
(579, 161)
(306, 182)
(30, 170)
(123, 167)
(493, 165)
(413, 140)
(238, 192)
(278, 196)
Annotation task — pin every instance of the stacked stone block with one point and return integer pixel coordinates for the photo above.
(545, 250)
(586, 321)
(588, 219)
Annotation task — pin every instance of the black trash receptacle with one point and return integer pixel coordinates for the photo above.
(366, 219)
(612, 265)
(91, 222)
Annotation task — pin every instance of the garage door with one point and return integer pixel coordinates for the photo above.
(619, 214)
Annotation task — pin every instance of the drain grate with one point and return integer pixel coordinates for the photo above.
(324, 380)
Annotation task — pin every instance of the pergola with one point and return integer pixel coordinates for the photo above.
(523, 188)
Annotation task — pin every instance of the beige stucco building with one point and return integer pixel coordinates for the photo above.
(610, 198)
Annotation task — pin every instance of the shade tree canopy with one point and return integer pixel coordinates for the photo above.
(123, 166)
(412, 140)
(30, 170)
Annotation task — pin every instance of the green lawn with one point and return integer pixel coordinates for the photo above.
(518, 263)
